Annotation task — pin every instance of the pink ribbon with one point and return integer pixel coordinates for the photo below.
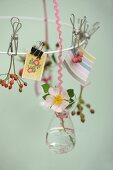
(60, 45)
(46, 21)
(46, 80)
(36, 88)
(62, 115)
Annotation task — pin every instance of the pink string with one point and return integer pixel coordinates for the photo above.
(46, 80)
(46, 21)
(60, 45)
(61, 116)
(36, 88)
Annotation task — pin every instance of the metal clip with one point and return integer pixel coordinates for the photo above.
(16, 25)
(36, 50)
(95, 27)
(82, 22)
(74, 32)
(72, 19)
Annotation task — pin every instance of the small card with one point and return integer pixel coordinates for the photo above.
(80, 71)
(34, 67)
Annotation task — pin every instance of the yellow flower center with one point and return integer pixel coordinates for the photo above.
(58, 100)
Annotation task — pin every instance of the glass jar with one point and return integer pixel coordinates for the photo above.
(60, 136)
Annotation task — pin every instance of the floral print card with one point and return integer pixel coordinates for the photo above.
(34, 67)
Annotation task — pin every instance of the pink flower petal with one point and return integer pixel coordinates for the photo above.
(56, 108)
(65, 95)
(64, 105)
(49, 101)
(60, 108)
(53, 91)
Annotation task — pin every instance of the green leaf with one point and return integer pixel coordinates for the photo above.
(38, 66)
(34, 69)
(54, 59)
(30, 62)
(44, 97)
(45, 87)
(22, 58)
(69, 106)
(71, 100)
(70, 93)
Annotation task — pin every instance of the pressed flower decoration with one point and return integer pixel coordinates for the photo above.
(51, 62)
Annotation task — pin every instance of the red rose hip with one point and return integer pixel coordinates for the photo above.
(21, 72)
(75, 60)
(11, 82)
(80, 53)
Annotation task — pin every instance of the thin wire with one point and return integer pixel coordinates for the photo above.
(33, 19)
(40, 19)
(16, 25)
(49, 52)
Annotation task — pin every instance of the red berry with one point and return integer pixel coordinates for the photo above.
(11, 82)
(6, 85)
(11, 75)
(15, 77)
(79, 59)
(36, 62)
(21, 72)
(3, 83)
(80, 53)
(21, 85)
(75, 60)
(10, 87)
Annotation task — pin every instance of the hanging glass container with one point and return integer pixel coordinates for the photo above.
(60, 136)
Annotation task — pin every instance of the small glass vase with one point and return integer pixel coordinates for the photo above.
(60, 136)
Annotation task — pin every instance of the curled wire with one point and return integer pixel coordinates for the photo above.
(16, 25)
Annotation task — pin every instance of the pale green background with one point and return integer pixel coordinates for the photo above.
(23, 122)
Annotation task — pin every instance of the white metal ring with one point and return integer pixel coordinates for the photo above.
(41, 20)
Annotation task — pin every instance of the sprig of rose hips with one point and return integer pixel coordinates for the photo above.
(78, 57)
(79, 108)
(11, 77)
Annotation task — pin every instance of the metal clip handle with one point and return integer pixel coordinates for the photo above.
(95, 27)
(37, 49)
(16, 25)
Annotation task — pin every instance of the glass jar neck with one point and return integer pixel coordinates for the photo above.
(62, 115)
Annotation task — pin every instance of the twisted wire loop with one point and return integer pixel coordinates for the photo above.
(16, 25)
(60, 81)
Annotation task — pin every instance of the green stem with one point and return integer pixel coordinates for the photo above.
(80, 96)
(14, 65)
(71, 139)
(81, 91)
(21, 79)
(10, 65)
